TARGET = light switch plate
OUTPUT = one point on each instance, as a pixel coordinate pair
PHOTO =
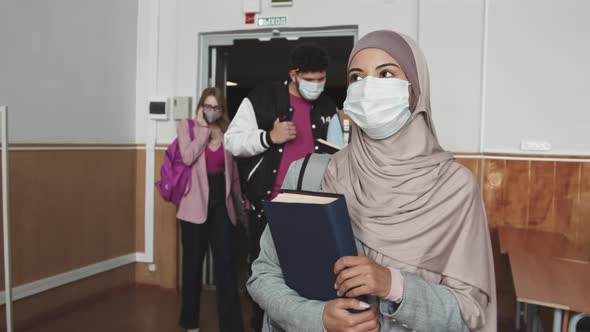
(181, 107)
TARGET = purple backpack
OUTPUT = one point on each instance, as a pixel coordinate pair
(175, 175)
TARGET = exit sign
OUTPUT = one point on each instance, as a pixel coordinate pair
(272, 21)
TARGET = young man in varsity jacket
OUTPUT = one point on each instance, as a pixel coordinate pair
(275, 125)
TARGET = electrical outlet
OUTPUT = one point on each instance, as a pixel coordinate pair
(535, 146)
(152, 267)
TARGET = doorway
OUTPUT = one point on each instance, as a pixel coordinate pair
(238, 61)
(250, 62)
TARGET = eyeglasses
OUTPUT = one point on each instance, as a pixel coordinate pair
(208, 107)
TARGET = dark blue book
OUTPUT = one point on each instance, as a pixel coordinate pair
(311, 231)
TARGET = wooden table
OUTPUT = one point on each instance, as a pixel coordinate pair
(560, 284)
(514, 241)
(545, 244)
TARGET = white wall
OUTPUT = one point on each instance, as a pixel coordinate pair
(539, 75)
(182, 20)
(451, 35)
(67, 70)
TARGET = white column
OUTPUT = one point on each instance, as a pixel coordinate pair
(5, 219)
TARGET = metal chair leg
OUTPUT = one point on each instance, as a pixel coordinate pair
(557, 317)
(574, 320)
(517, 317)
(533, 322)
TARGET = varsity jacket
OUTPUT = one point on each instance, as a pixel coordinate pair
(248, 136)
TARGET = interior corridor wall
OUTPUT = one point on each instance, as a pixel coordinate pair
(67, 70)
(538, 71)
(491, 87)
(68, 76)
(181, 21)
(451, 33)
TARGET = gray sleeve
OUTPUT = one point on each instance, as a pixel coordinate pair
(282, 304)
(314, 173)
(290, 182)
(425, 307)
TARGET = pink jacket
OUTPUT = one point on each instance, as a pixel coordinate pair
(193, 207)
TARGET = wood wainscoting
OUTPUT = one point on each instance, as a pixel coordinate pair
(71, 206)
(540, 192)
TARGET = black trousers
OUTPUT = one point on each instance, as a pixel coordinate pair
(219, 233)
(256, 225)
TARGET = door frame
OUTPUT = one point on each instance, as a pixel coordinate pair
(227, 38)
(207, 63)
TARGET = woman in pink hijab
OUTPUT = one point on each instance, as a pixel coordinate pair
(417, 214)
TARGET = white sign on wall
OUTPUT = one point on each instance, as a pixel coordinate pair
(276, 3)
(272, 21)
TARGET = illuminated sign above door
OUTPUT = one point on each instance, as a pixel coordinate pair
(272, 21)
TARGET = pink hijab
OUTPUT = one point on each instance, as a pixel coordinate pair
(408, 199)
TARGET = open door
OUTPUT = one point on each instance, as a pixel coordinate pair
(218, 67)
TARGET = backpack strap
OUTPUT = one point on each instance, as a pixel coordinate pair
(307, 177)
(191, 132)
(311, 172)
(302, 171)
(191, 128)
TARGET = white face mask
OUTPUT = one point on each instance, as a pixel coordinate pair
(311, 90)
(379, 106)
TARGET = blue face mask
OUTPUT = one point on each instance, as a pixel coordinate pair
(379, 106)
(310, 90)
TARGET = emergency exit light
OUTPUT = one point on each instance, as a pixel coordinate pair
(272, 21)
